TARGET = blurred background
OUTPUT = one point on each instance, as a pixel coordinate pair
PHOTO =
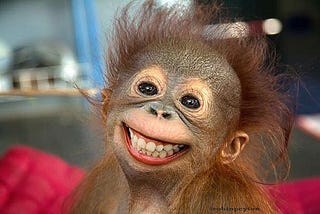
(47, 48)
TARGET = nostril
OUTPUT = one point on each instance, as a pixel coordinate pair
(153, 111)
(160, 111)
(166, 115)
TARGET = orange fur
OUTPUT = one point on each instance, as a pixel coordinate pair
(264, 115)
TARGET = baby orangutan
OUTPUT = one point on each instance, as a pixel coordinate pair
(189, 114)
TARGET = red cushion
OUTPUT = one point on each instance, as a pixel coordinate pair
(298, 196)
(34, 182)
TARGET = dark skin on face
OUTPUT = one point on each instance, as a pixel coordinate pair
(176, 97)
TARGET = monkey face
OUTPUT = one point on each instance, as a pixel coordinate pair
(168, 116)
(150, 131)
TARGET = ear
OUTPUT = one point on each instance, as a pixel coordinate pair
(233, 148)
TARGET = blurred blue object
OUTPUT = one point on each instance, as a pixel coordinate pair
(86, 36)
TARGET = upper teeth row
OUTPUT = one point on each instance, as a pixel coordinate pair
(151, 149)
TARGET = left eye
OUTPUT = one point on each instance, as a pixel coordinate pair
(190, 101)
(147, 88)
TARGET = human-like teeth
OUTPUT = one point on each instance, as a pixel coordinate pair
(134, 142)
(131, 133)
(176, 148)
(155, 154)
(135, 139)
(168, 147)
(151, 148)
(141, 143)
(159, 148)
(162, 154)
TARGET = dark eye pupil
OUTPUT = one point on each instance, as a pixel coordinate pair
(148, 89)
(190, 101)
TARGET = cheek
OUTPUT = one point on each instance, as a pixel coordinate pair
(117, 144)
(209, 143)
(113, 128)
(212, 131)
(118, 141)
(210, 140)
(218, 123)
(212, 119)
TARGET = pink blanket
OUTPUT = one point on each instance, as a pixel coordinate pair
(35, 182)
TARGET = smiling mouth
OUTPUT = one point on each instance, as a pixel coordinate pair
(151, 151)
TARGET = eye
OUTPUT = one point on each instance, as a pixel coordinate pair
(190, 101)
(147, 88)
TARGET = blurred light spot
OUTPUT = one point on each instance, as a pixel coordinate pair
(272, 26)
(69, 72)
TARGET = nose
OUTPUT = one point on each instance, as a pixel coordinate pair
(160, 110)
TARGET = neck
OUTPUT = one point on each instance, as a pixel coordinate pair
(146, 199)
(150, 192)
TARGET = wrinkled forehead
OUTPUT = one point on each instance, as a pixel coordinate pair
(185, 60)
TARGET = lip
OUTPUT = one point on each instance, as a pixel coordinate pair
(148, 159)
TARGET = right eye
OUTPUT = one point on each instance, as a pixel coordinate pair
(148, 88)
(190, 101)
